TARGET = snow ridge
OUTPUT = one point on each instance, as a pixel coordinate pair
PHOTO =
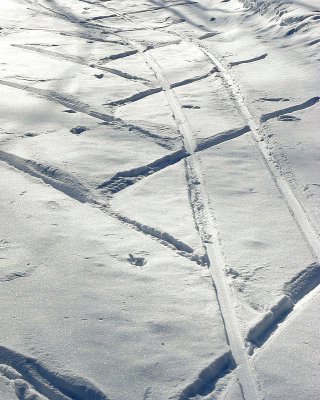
(53, 176)
(54, 385)
(123, 179)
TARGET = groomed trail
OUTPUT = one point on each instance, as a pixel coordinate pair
(163, 196)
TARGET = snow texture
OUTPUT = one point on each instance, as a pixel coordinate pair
(160, 199)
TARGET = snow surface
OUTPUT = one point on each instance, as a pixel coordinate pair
(160, 199)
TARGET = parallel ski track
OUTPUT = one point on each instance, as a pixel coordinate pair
(295, 207)
(246, 375)
(245, 371)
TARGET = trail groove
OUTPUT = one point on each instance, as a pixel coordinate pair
(245, 371)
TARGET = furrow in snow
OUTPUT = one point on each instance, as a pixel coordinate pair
(82, 61)
(148, 9)
(294, 291)
(209, 35)
(64, 100)
(245, 369)
(123, 179)
(53, 176)
(296, 209)
(206, 143)
(152, 46)
(135, 97)
(303, 283)
(250, 60)
(194, 79)
(165, 237)
(16, 275)
(119, 55)
(78, 106)
(54, 385)
(207, 378)
(149, 92)
(275, 114)
(69, 185)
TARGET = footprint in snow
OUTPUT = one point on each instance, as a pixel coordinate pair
(190, 106)
(70, 111)
(137, 261)
(78, 130)
(288, 118)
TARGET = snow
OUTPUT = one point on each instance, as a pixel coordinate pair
(299, 373)
(160, 223)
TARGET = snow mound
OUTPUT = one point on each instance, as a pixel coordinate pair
(293, 18)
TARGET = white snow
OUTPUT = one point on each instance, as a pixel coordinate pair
(160, 199)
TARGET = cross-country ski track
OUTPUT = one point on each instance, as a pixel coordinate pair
(176, 87)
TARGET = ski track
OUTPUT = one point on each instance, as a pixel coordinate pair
(298, 290)
(81, 61)
(283, 111)
(210, 238)
(123, 54)
(245, 372)
(78, 106)
(296, 293)
(296, 209)
(123, 179)
(27, 373)
(250, 60)
(70, 186)
(269, 323)
(206, 380)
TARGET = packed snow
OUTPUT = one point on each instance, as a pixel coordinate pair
(160, 199)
